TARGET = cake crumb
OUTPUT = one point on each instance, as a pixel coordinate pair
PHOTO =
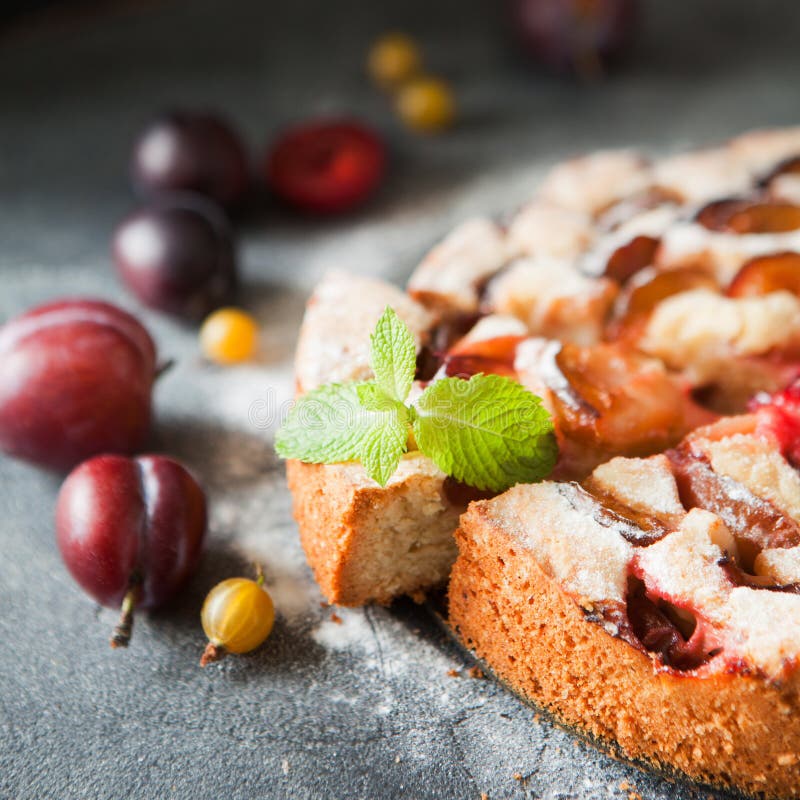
(634, 796)
(517, 776)
(787, 759)
(476, 672)
(624, 786)
(418, 597)
(285, 766)
(397, 759)
(537, 718)
(484, 796)
(336, 618)
(453, 673)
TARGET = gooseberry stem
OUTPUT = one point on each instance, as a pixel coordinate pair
(212, 653)
(122, 633)
(259, 575)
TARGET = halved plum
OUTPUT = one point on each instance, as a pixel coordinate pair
(620, 402)
(753, 521)
(679, 639)
(631, 258)
(749, 216)
(642, 296)
(766, 218)
(493, 356)
(715, 215)
(765, 274)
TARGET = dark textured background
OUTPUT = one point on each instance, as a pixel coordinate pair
(365, 709)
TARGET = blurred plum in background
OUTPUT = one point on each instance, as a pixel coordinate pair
(191, 151)
(579, 37)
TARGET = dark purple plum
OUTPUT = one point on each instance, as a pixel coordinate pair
(575, 36)
(178, 256)
(130, 531)
(191, 151)
(76, 379)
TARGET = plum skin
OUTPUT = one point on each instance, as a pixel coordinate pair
(177, 256)
(191, 151)
(126, 524)
(574, 36)
(76, 379)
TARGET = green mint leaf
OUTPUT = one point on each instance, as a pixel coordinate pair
(489, 432)
(374, 398)
(330, 425)
(381, 449)
(393, 355)
(384, 445)
(326, 426)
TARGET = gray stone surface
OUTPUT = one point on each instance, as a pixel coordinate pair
(364, 709)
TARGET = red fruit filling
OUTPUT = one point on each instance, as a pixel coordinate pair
(746, 216)
(618, 400)
(443, 337)
(752, 520)
(765, 274)
(491, 356)
(643, 294)
(462, 494)
(715, 215)
(680, 640)
(327, 167)
(631, 258)
(778, 417)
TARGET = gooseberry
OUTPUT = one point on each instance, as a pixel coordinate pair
(229, 336)
(237, 617)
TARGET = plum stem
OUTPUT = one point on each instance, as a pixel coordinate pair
(212, 653)
(122, 633)
(164, 367)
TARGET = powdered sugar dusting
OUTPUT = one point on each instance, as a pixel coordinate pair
(353, 632)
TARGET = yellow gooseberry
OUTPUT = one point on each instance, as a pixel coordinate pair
(237, 617)
(229, 336)
(427, 105)
(393, 59)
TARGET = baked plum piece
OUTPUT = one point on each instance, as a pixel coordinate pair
(607, 400)
(743, 469)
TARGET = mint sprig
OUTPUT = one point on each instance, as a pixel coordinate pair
(488, 431)
(393, 355)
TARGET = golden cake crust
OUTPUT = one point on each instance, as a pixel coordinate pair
(364, 542)
(725, 729)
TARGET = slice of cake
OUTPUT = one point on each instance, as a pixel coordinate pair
(656, 606)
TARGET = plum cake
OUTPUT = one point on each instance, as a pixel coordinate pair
(639, 298)
(647, 592)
